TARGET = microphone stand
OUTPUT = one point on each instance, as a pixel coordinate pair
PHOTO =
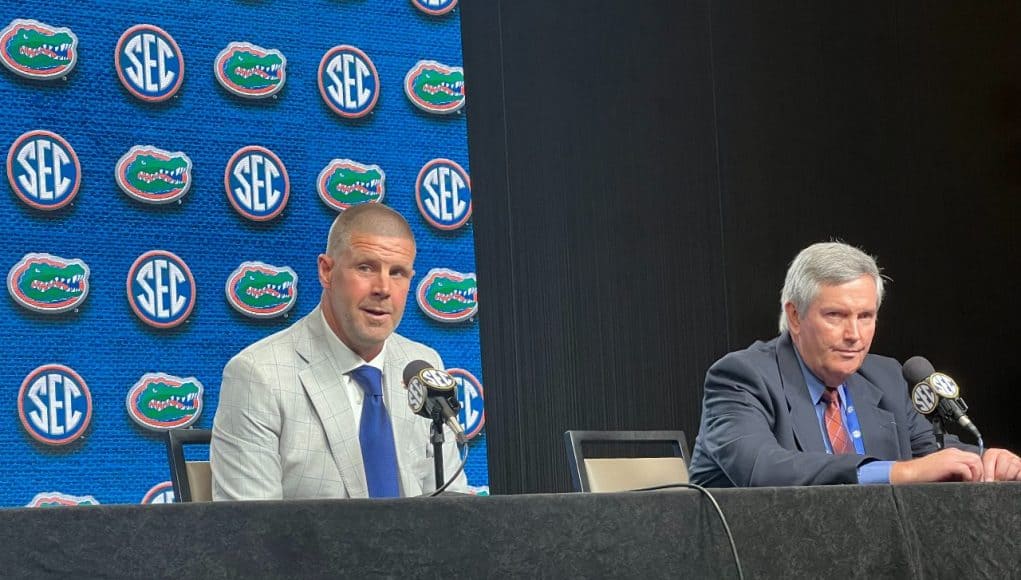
(437, 439)
(937, 429)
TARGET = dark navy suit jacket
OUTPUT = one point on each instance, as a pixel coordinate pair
(759, 426)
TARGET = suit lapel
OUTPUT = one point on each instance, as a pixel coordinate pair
(878, 428)
(406, 425)
(799, 401)
(324, 385)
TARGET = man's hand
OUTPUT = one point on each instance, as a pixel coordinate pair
(944, 465)
(1000, 465)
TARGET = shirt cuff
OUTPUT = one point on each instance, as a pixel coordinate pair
(874, 472)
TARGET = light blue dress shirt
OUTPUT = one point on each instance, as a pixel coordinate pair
(868, 473)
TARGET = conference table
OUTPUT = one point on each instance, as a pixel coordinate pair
(925, 531)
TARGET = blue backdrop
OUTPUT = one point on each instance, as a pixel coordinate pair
(102, 340)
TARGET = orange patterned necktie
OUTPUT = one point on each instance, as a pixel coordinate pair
(835, 423)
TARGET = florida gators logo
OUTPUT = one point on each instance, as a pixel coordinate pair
(262, 291)
(160, 493)
(472, 415)
(343, 183)
(160, 402)
(348, 81)
(55, 405)
(43, 170)
(443, 194)
(250, 71)
(36, 50)
(48, 284)
(152, 175)
(435, 7)
(149, 63)
(448, 296)
(48, 499)
(257, 184)
(161, 289)
(435, 87)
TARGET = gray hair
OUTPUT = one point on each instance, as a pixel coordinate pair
(371, 218)
(826, 263)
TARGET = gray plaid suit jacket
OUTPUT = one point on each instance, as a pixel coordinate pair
(285, 429)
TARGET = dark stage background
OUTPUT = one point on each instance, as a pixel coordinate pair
(645, 171)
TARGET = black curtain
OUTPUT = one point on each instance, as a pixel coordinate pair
(643, 172)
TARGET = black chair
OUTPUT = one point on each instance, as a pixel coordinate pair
(599, 475)
(193, 480)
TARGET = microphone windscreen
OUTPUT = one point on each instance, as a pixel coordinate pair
(414, 367)
(917, 369)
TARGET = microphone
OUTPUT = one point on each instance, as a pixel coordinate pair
(937, 392)
(431, 391)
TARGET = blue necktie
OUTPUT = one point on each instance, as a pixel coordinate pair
(376, 436)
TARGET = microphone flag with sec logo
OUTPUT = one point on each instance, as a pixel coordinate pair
(431, 389)
(937, 392)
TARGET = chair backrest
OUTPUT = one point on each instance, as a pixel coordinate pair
(193, 480)
(625, 473)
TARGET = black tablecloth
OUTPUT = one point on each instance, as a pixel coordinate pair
(931, 531)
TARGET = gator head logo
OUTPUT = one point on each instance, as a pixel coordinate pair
(435, 87)
(348, 81)
(43, 170)
(54, 404)
(49, 284)
(448, 296)
(161, 289)
(443, 193)
(49, 499)
(344, 183)
(160, 402)
(159, 493)
(36, 50)
(257, 183)
(262, 291)
(435, 7)
(152, 175)
(472, 415)
(149, 63)
(250, 71)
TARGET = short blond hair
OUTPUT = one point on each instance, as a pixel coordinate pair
(371, 218)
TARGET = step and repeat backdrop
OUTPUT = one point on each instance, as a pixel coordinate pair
(172, 170)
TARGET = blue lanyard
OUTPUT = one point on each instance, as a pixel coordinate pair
(851, 421)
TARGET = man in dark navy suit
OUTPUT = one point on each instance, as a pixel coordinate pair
(812, 406)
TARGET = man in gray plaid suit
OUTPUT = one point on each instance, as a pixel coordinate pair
(291, 418)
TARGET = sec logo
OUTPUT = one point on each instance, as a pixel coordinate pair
(417, 394)
(435, 7)
(443, 194)
(924, 399)
(159, 493)
(348, 81)
(54, 404)
(473, 410)
(944, 386)
(149, 63)
(161, 289)
(43, 170)
(257, 184)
